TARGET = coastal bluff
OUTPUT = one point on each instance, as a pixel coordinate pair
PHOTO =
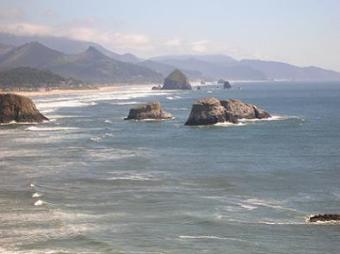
(149, 111)
(17, 108)
(208, 111)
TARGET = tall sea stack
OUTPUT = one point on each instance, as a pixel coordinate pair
(176, 81)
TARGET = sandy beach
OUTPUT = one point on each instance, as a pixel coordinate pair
(54, 92)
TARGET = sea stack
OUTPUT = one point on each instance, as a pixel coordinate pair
(17, 108)
(176, 81)
(149, 111)
(209, 111)
(226, 85)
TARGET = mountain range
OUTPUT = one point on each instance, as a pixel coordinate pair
(92, 63)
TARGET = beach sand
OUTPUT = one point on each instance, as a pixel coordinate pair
(52, 92)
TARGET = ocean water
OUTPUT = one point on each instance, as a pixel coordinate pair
(90, 182)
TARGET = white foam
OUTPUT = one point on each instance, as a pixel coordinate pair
(39, 202)
(248, 207)
(228, 124)
(36, 195)
(35, 128)
(125, 103)
(272, 118)
(208, 237)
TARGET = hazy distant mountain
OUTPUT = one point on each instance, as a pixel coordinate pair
(166, 69)
(278, 70)
(94, 66)
(31, 54)
(64, 45)
(4, 48)
(33, 78)
(89, 66)
(212, 66)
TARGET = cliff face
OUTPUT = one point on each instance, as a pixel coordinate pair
(19, 109)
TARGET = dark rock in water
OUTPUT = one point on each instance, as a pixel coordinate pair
(206, 111)
(156, 88)
(323, 218)
(243, 110)
(176, 81)
(152, 111)
(211, 111)
(220, 81)
(19, 109)
(226, 85)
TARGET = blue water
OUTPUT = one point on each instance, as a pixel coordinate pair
(105, 185)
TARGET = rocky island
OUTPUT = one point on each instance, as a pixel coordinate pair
(176, 81)
(323, 218)
(149, 111)
(16, 108)
(209, 111)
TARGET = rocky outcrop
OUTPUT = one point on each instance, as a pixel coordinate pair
(226, 85)
(323, 218)
(152, 111)
(176, 81)
(243, 110)
(211, 111)
(156, 88)
(18, 109)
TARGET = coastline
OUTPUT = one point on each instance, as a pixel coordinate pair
(99, 88)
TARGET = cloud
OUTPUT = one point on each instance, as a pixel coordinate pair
(122, 42)
(25, 29)
(11, 14)
(200, 46)
(173, 42)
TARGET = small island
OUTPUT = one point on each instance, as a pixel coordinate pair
(149, 111)
(176, 81)
(208, 111)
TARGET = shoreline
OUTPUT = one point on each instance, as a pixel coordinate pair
(104, 88)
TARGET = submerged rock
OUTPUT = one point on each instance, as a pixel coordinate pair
(323, 218)
(18, 108)
(211, 111)
(151, 110)
(176, 81)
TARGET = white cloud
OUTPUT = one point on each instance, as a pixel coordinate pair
(200, 46)
(173, 42)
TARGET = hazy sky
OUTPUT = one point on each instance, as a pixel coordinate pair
(302, 32)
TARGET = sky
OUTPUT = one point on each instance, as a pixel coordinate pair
(301, 32)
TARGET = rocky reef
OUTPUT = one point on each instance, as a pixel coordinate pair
(323, 218)
(152, 111)
(176, 81)
(210, 110)
(16, 108)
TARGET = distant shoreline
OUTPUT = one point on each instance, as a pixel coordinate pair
(67, 91)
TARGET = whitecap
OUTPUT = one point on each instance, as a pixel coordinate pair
(36, 195)
(39, 202)
(209, 237)
(35, 128)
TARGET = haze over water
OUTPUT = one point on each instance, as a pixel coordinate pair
(90, 182)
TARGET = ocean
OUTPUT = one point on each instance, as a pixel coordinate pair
(90, 182)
